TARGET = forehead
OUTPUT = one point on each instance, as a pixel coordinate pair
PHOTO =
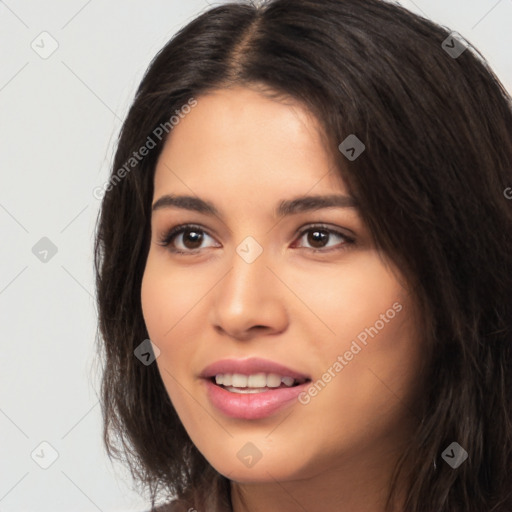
(239, 138)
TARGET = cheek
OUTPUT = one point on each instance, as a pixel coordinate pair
(167, 296)
(161, 310)
(380, 376)
(349, 299)
(154, 301)
(373, 330)
(168, 300)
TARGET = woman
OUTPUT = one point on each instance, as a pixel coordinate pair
(307, 218)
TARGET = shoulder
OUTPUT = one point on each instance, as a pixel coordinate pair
(174, 506)
(213, 504)
(212, 496)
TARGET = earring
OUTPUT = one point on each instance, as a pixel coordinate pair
(435, 465)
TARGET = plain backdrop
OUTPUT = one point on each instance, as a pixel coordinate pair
(59, 117)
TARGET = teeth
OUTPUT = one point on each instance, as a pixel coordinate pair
(257, 381)
(239, 381)
(273, 380)
(245, 391)
(288, 381)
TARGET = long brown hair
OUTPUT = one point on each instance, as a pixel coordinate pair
(437, 130)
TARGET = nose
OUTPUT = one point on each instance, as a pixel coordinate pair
(249, 300)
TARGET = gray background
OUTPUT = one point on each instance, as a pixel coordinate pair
(59, 118)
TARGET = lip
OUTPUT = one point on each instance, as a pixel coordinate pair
(254, 405)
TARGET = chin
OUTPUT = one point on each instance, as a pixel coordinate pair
(268, 469)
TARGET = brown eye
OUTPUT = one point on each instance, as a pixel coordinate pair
(184, 239)
(318, 238)
(192, 238)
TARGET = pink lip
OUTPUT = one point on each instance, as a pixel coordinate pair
(254, 405)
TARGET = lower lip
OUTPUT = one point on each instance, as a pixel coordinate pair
(252, 406)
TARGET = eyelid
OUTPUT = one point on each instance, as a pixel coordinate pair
(168, 235)
(344, 232)
(350, 239)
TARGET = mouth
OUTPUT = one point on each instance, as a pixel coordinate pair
(252, 388)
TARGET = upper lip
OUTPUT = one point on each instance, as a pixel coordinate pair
(251, 366)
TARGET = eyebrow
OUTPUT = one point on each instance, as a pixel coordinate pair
(284, 208)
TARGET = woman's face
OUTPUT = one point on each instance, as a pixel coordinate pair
(277, 292)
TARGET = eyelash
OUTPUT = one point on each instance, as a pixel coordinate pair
(169, 235)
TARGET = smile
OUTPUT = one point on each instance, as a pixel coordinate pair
(255, 383)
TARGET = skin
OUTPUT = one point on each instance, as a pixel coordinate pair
(245, 153)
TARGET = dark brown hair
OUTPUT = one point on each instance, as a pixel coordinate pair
(438, 135)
